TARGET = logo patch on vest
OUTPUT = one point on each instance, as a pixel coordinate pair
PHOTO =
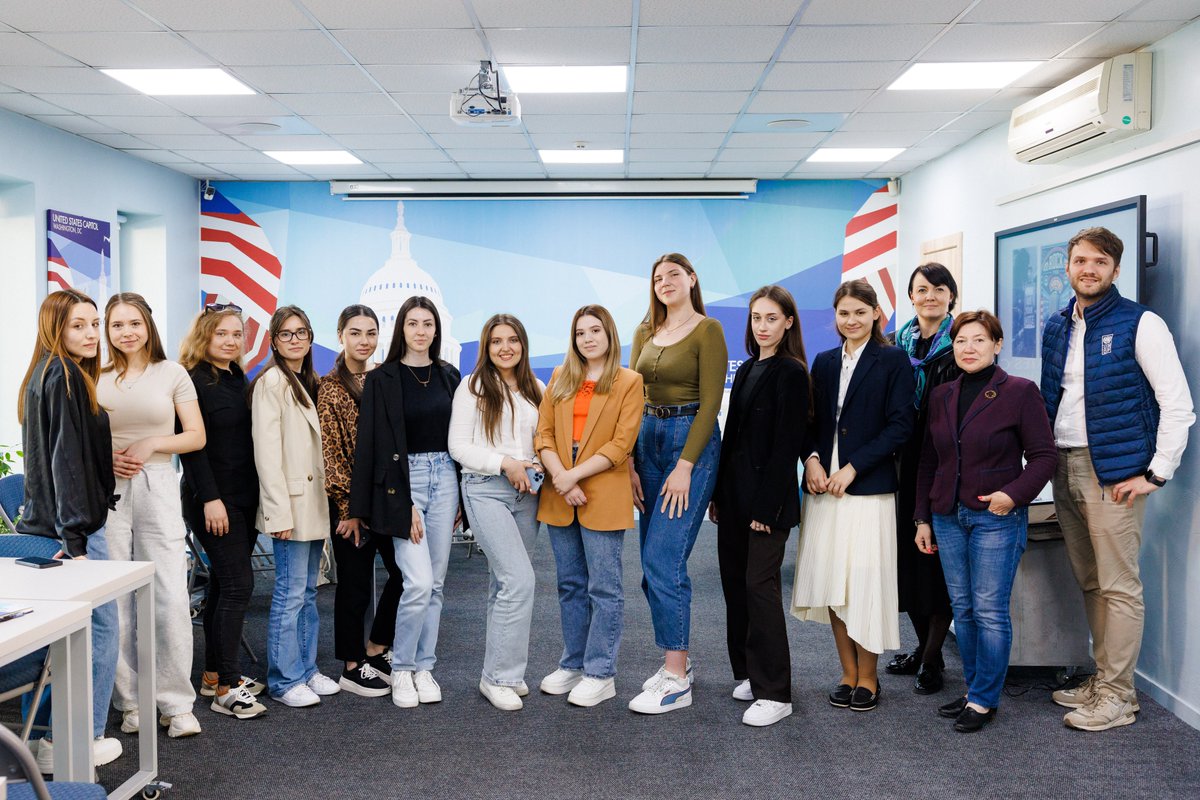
(1106, 344)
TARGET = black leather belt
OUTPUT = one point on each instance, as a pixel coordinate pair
(662, 412)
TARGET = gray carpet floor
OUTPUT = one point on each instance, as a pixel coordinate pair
(463, 748)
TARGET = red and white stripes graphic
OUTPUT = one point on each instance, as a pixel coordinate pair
(238, 265)
(870, 250)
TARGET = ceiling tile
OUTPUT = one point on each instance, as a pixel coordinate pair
(430, 171)
(914, 121)
(689, 12)
(917, 101)
(17, 49)
(267, 48)
(482, 138)
(287, 142)
(362, 123)
(159, 156)
(437, 123)
(328, 78)
(484, 169)
(140, 125)
(186, 141)
(479, 155)
(423, 102)
(344, 173)
(566, 141)
(605, 103)
(123, 104)
(948, 138)
(229, 106)
(874, 139)
(74, 123)
(201, 171)
(1008, 99)
(260, 171)
(688, 102)
(1179, 10)
(125, 49)
(226, 15)
(384, 141)
(684, 123)
(1009, 42)
(732, 44)
(573, 123)
(792, 140)
(1042, 11)
(752, 169)
(381, 14)
(829, 172)
(210, 156)
(437, 46)
(399, 155)
(676, 154)
(795, 76)
(764, 154)
(807, 102)
(334, 103)
(978, 121)
(1052, 73)
(883, 42)
(668, 168)
(119, 140)
(65, 15)
(1122, 37)
(442, 78)
(688, 77)
(49, 80)
(594, 46)
(924, 152)
(650, 140)
(553, 13)
(585, 171)
(860, 12)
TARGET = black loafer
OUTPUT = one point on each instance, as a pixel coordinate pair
(864, 700)
(971, 720)
(929, 679)
(841, 695)
(952, 709)
(903, 664)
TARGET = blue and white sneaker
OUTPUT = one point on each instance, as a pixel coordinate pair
(667, 693)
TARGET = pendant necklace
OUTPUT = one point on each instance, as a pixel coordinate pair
(428, 376)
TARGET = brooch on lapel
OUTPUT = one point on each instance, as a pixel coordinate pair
(990, 394)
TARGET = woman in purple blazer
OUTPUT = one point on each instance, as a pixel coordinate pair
(971, 485)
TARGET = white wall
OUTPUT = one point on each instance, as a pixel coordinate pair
(959, 192)
(42, 167)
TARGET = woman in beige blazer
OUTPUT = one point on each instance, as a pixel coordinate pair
(293, 508)
(588, 419)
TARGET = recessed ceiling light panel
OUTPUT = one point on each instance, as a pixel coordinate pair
(582, 156)
(565, 80)
(312, 157)
(963, 75)
(855, 155)
(166, 82)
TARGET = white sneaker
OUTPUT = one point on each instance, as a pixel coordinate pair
(667, 693)
(561, 681)
(180, 725)
(502, 697)
(129, 721)
(592, 691)
(252, 686)
(404, 694)
(428, 690)
(237, 702)
(299, 696)
(522, 689)
(743, 691)
(323, 685)
(766, 712)
(663, 671)
(105, 750)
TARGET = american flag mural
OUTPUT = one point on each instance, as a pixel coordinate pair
(870, 250)
(238, 265)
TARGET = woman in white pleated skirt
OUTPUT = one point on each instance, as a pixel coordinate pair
(846, 566)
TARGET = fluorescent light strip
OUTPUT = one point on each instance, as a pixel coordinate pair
(565, 80)
(963, 75)
(312, 157)
(582, 156)
(854, 155)
(166, 82)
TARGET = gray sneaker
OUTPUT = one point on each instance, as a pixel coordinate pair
(1109, 711)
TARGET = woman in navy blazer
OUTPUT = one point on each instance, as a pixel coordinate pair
(973, 489)
(846, 567)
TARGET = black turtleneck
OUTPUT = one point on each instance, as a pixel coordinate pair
(972, 385)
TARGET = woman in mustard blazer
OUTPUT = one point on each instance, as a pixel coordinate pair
(588, 419)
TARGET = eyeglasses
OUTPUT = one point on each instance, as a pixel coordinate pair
(300, 334)
(216, 308)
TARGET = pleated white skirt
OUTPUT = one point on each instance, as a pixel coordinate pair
(847, 562)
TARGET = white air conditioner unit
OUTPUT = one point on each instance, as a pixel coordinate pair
(1109, 102)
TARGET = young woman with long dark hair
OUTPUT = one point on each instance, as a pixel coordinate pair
(405, 487)
(220, 502)
(292, 506)
(144, 395)
(757, 500)
(492, 424)
(846, 565)
(69, 482)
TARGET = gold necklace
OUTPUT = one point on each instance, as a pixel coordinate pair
(428, 376)
(680, 325)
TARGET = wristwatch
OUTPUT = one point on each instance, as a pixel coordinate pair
(920, 522)
(1157, 481)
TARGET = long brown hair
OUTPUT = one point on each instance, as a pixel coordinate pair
(574, 368)
(118, 361)
(341, 372)
(792, 344)
(193, 350)
(657, 313)
(491, 393)
(399, 346)
(53, 317)
(861, 291)
(307, 382)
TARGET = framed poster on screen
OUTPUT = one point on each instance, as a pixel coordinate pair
(1031, 277)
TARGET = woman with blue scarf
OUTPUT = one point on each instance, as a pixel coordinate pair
(921, 585)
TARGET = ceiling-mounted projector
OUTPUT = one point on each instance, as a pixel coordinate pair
(481, 103)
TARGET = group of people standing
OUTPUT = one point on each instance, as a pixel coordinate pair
(919, 457)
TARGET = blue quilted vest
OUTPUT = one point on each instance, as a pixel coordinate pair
(1122, 413)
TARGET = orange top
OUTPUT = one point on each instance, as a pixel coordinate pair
(583, 402)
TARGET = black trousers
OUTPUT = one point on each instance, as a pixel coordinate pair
(352, 597)
(230, 586)
(755, 626)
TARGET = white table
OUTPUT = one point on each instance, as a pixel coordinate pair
(96, 583)
(65, 627)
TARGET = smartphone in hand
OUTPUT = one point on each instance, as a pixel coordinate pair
(536, 478)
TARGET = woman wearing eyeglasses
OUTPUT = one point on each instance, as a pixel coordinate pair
(220, 502)
(293, 507)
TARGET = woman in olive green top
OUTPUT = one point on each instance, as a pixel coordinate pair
(682, 358)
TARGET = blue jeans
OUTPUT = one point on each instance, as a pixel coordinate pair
(980, 552)
(590, 599)
(293, 623)
(433, 484)
(505, 524)
(667, 543)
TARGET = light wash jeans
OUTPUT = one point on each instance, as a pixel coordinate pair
(591, 601)
(505, 524)
(293, 623)
(433, 483)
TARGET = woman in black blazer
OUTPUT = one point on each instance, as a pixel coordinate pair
(757, 500)
(846, 566)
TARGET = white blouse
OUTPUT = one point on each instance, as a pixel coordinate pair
(467, 439)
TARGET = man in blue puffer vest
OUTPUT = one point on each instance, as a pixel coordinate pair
(1121, 408)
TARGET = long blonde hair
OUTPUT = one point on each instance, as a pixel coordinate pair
(491, 395)
(117, 360)
(193, 350)
(571, 374)
(53, 317)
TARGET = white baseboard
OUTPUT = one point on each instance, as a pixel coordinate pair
(1169, 700)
